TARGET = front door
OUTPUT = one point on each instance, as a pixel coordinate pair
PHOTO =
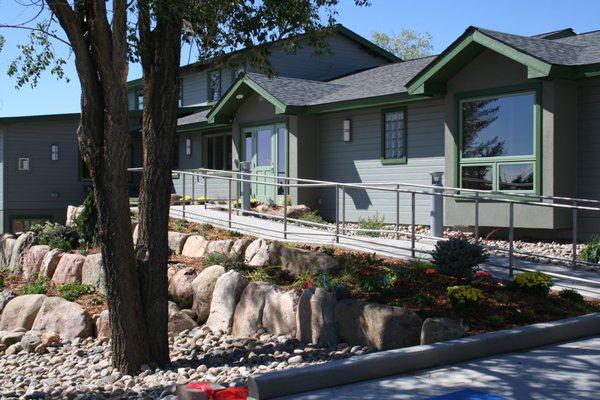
(265, 147)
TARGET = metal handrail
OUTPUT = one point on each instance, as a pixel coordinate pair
(340, 228)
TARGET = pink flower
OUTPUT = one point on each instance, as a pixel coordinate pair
(430, 271)
(482, 275)
(308, 284)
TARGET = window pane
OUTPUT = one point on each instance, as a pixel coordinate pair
(516, 176)
(263, 148)
(214, 82)
(394, 134)
(219, 152)
(210, 153)
(281, 151)
(248, 146)
(500, 126)
(228, 152)
(477, 177)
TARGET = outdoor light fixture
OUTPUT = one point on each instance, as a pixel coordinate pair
(239, 96)
(188, 147)
(347, 130)
(54, 152)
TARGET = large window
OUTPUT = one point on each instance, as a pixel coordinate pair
(498, 142)
(214, 85)
(394, 136)
(218, 152)
(139, 99)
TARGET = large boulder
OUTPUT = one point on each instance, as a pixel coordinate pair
(136, 234)
(50, 262)
(92, 273)
(69, 269)
(297, 210)
(376, 325)
(228, 289)
(203, 286)
(441, 329)
(249, 310)
(5, 297)
(21, 312)
(177, 241)
(179, 322)
(300, 261)
(219, 246)
(72, 213)
(195, 246)
(103, 328)
(239, 247)
(32, 261)
(315, 317)
(260, 253)
(67, 319)
(23, 242)
(180, 286)
(7, 242)
(279, 314)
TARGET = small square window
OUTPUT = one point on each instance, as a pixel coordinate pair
(54, 152)
(23, 164)
(188, 147)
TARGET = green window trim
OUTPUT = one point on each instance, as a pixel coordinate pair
(404, 158)
(496, 162)
(209, 90)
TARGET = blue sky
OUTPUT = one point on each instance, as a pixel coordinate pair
(444, 19)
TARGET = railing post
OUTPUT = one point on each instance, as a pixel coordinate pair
(205, 190)
(229, 204)
(511, 236)
(183, 196)
(476, 215)
(397, 212)
(337, 213)
(574, 251)
(343, 210)
(412, 224)
(193, 188)
(285, 208)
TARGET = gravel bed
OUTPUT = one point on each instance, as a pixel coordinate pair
(82, 369)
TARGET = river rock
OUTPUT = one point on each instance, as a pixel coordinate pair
(72, 213)
(68, 270)
(315, 317)
(441, 329)
(239, 247)
(32, 261)
(219, 246)
(260, 253)
(248, 314)
(279, 314)
(228, 289)
(179, 322)
(376, 325)
(69, 320)
(203, 286)
(195, 246)
(297, 210)
(50, 262)
(21, 312)
(5, 297)
(177, 241)
(7, 243)
(92, 273)
(299, 261)
(180, 286)
(103, 328)
(23, 242)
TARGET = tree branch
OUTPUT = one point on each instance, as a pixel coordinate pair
(29, 28)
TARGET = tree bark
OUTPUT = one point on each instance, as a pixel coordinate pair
(160, 57)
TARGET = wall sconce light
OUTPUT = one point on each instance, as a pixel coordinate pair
(54, 152)
(188, 147)
(347, 130)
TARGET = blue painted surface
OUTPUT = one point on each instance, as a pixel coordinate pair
(467, 394)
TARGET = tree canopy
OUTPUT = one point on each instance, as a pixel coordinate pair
(408, 44)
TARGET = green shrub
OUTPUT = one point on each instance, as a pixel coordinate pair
(253, 203)
(524, 317)
(329, 250)
(374, 223)
(203, 200)
(86, 223)
(572, 295)
(495, 320)
(553, 310)
(39, 285)
(458, 257)
(500, 297)
(304, 280)
(464, 295)
(181, 224)
(56, 236)
(73, 291)
(421, 299)
(312, 216)
(591, 251)
(533, 282)
(226, 261)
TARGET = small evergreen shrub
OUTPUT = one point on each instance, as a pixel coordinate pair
(591, 251)
(329, 250)
(253, 203)
(73, 291)
(495, 320)
(86, 223)
(40, 285)
(226, 261)
(373, 223)
(56, 236)
(532, 282)
(421, 299)
(500, 297)
(464, 295)
(458, 257)
(203, 200)
(572, 295)
(312, 216)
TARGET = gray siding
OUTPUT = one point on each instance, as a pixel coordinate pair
(588, 149)
(49, 186)
(359, 161)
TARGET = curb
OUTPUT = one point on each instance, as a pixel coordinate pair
(408, 359)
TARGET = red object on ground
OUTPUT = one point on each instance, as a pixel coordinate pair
(236, 393)
(207, 391)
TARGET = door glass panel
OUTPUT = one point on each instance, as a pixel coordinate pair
(281, 151)
(516, 176)
(477, 177)
(263, 148)
(210, 153)
(248, 146)
(228, 152)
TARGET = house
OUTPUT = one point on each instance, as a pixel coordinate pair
(493, 111)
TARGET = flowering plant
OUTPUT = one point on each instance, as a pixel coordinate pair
(464, 295)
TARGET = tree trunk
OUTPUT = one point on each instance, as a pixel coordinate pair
(160, 62)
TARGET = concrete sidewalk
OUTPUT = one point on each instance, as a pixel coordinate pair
(564, 371)
(272, 229)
